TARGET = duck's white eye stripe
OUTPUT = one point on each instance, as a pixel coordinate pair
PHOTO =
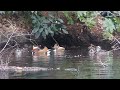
(35, 47)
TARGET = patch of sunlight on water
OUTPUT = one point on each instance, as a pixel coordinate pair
(72, 64)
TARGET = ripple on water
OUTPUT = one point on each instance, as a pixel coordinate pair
(72, 64)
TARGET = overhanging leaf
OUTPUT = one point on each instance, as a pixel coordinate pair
(60, 20)
(44, 35)
(51, 32)
(65, 31)
(35, 30)
(46, 31)
(37, 35)
(107, 35)
(108, 25)
(41, 30)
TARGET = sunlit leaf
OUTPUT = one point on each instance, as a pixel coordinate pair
(81, 13)
(34, 21)
(65, 31)
(37, 35)
(108, 25)
(60, 20)
(2, 12)
(46, 32)
(107, 35)
(47, 25)
(33, 17)
(35, 29)
(44, 35)
(41, 30)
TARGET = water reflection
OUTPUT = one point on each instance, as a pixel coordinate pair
(102, 65)
(4, 75)
(70, 64)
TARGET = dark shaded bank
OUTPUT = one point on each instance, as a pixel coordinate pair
(79, 36)
(74, 39)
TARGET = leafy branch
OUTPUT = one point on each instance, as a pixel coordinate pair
(43, 26)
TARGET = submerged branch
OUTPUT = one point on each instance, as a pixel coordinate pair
(33, 69)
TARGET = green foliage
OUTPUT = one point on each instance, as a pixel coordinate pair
(2, 12)
(69, 18)
(87, 17)
(108, 25)
(43, 26)
(83, 16)
(117, 23)
(8, 12)
(109, 28)
(113, 22)
(107, 35)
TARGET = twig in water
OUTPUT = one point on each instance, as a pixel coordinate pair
(14, 29)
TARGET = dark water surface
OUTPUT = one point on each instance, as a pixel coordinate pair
(72, 64)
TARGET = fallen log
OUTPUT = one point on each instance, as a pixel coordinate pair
(31, 69)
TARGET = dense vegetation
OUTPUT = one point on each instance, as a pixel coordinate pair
(104, 24)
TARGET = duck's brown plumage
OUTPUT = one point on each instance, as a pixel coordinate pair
(57, 47)
(38, 51)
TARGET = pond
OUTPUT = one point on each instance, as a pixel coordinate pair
(70, 64)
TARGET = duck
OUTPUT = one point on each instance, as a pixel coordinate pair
(58, 48)
(18, 52)
(96, 50)
(92, 49)
(99, 51)
(37, 51)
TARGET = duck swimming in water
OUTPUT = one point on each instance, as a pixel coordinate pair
(99, 51)
(18, 52)
(96, 50)
(59, 51)
(58, 48)
(37, 51)
(92, 49)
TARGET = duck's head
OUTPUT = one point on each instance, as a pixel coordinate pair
(45, 48)
(19, 51)
(56, 46)
(91, 47)
(98, 48)
(35, 47)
